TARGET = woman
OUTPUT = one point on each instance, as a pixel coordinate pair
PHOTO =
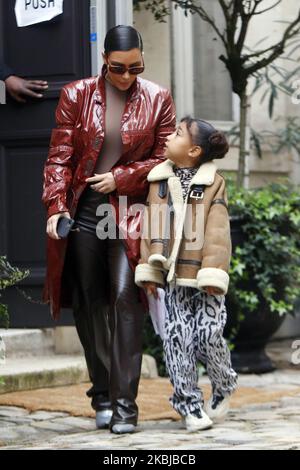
(111, 131)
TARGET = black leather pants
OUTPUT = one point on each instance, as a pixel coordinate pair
(108, 313)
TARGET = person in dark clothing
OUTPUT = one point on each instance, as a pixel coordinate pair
(18, 87)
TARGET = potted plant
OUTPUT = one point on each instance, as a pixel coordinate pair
(265, 269)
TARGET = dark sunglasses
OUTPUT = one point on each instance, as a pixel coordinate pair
(121, 69)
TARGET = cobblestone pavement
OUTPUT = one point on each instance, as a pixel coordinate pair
(272, 425)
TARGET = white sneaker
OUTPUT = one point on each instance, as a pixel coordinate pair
(217, 407)
(194, 424)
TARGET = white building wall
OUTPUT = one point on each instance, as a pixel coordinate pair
(157, 47)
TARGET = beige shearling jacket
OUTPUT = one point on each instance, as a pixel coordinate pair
(186, 243)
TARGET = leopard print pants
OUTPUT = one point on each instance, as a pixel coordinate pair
(194, 333)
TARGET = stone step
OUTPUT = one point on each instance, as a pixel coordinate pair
(20, 343)
(51, 357)
(29, 373)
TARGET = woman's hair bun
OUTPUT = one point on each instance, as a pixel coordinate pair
(218, 144)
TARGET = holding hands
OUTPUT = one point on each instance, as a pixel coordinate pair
(212, 290)
(151, 288)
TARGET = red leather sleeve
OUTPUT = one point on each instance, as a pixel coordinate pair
(58, 167)
(131, 179)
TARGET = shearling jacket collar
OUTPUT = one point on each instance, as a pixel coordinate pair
(205, 174)
(172, 253)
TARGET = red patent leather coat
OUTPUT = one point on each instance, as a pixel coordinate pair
(149, 117)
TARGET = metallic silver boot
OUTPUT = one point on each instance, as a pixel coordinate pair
(103, 418)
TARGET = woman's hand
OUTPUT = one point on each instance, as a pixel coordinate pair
(103, 183)
(151, 288)
(52, 224)
(212, 290)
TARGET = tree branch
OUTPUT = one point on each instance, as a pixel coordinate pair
(256, 3)
(231, 25)
(186, 5)
(245, 18)
(267, 9)
(277, 48)
(225, 9)
(258, 53)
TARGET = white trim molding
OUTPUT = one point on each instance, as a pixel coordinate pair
(124, 12)
(235, 107)
(182, 56)
(98, 28)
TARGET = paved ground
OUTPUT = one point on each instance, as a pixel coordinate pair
(271, 425)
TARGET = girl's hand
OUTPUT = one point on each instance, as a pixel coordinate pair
(52, 224)
(104, 183)
(151, 288)
(212, 290)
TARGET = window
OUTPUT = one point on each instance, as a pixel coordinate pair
(213, 97)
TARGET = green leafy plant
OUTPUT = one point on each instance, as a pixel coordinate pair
(286, 137)
(158, 8)
(9, 276)
(267, 265)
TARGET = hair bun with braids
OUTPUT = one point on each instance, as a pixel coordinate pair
(218, 144)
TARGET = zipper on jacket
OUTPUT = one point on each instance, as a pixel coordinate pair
(166, 245)
(181, 235)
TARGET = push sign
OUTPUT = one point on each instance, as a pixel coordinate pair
(36, 11)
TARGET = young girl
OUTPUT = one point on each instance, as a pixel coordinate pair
(188, 195)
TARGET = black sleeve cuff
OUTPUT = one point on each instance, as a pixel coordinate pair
(5, 71)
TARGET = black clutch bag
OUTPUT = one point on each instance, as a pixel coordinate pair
(64, 227)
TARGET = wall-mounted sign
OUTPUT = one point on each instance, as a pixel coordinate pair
(37, 11)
